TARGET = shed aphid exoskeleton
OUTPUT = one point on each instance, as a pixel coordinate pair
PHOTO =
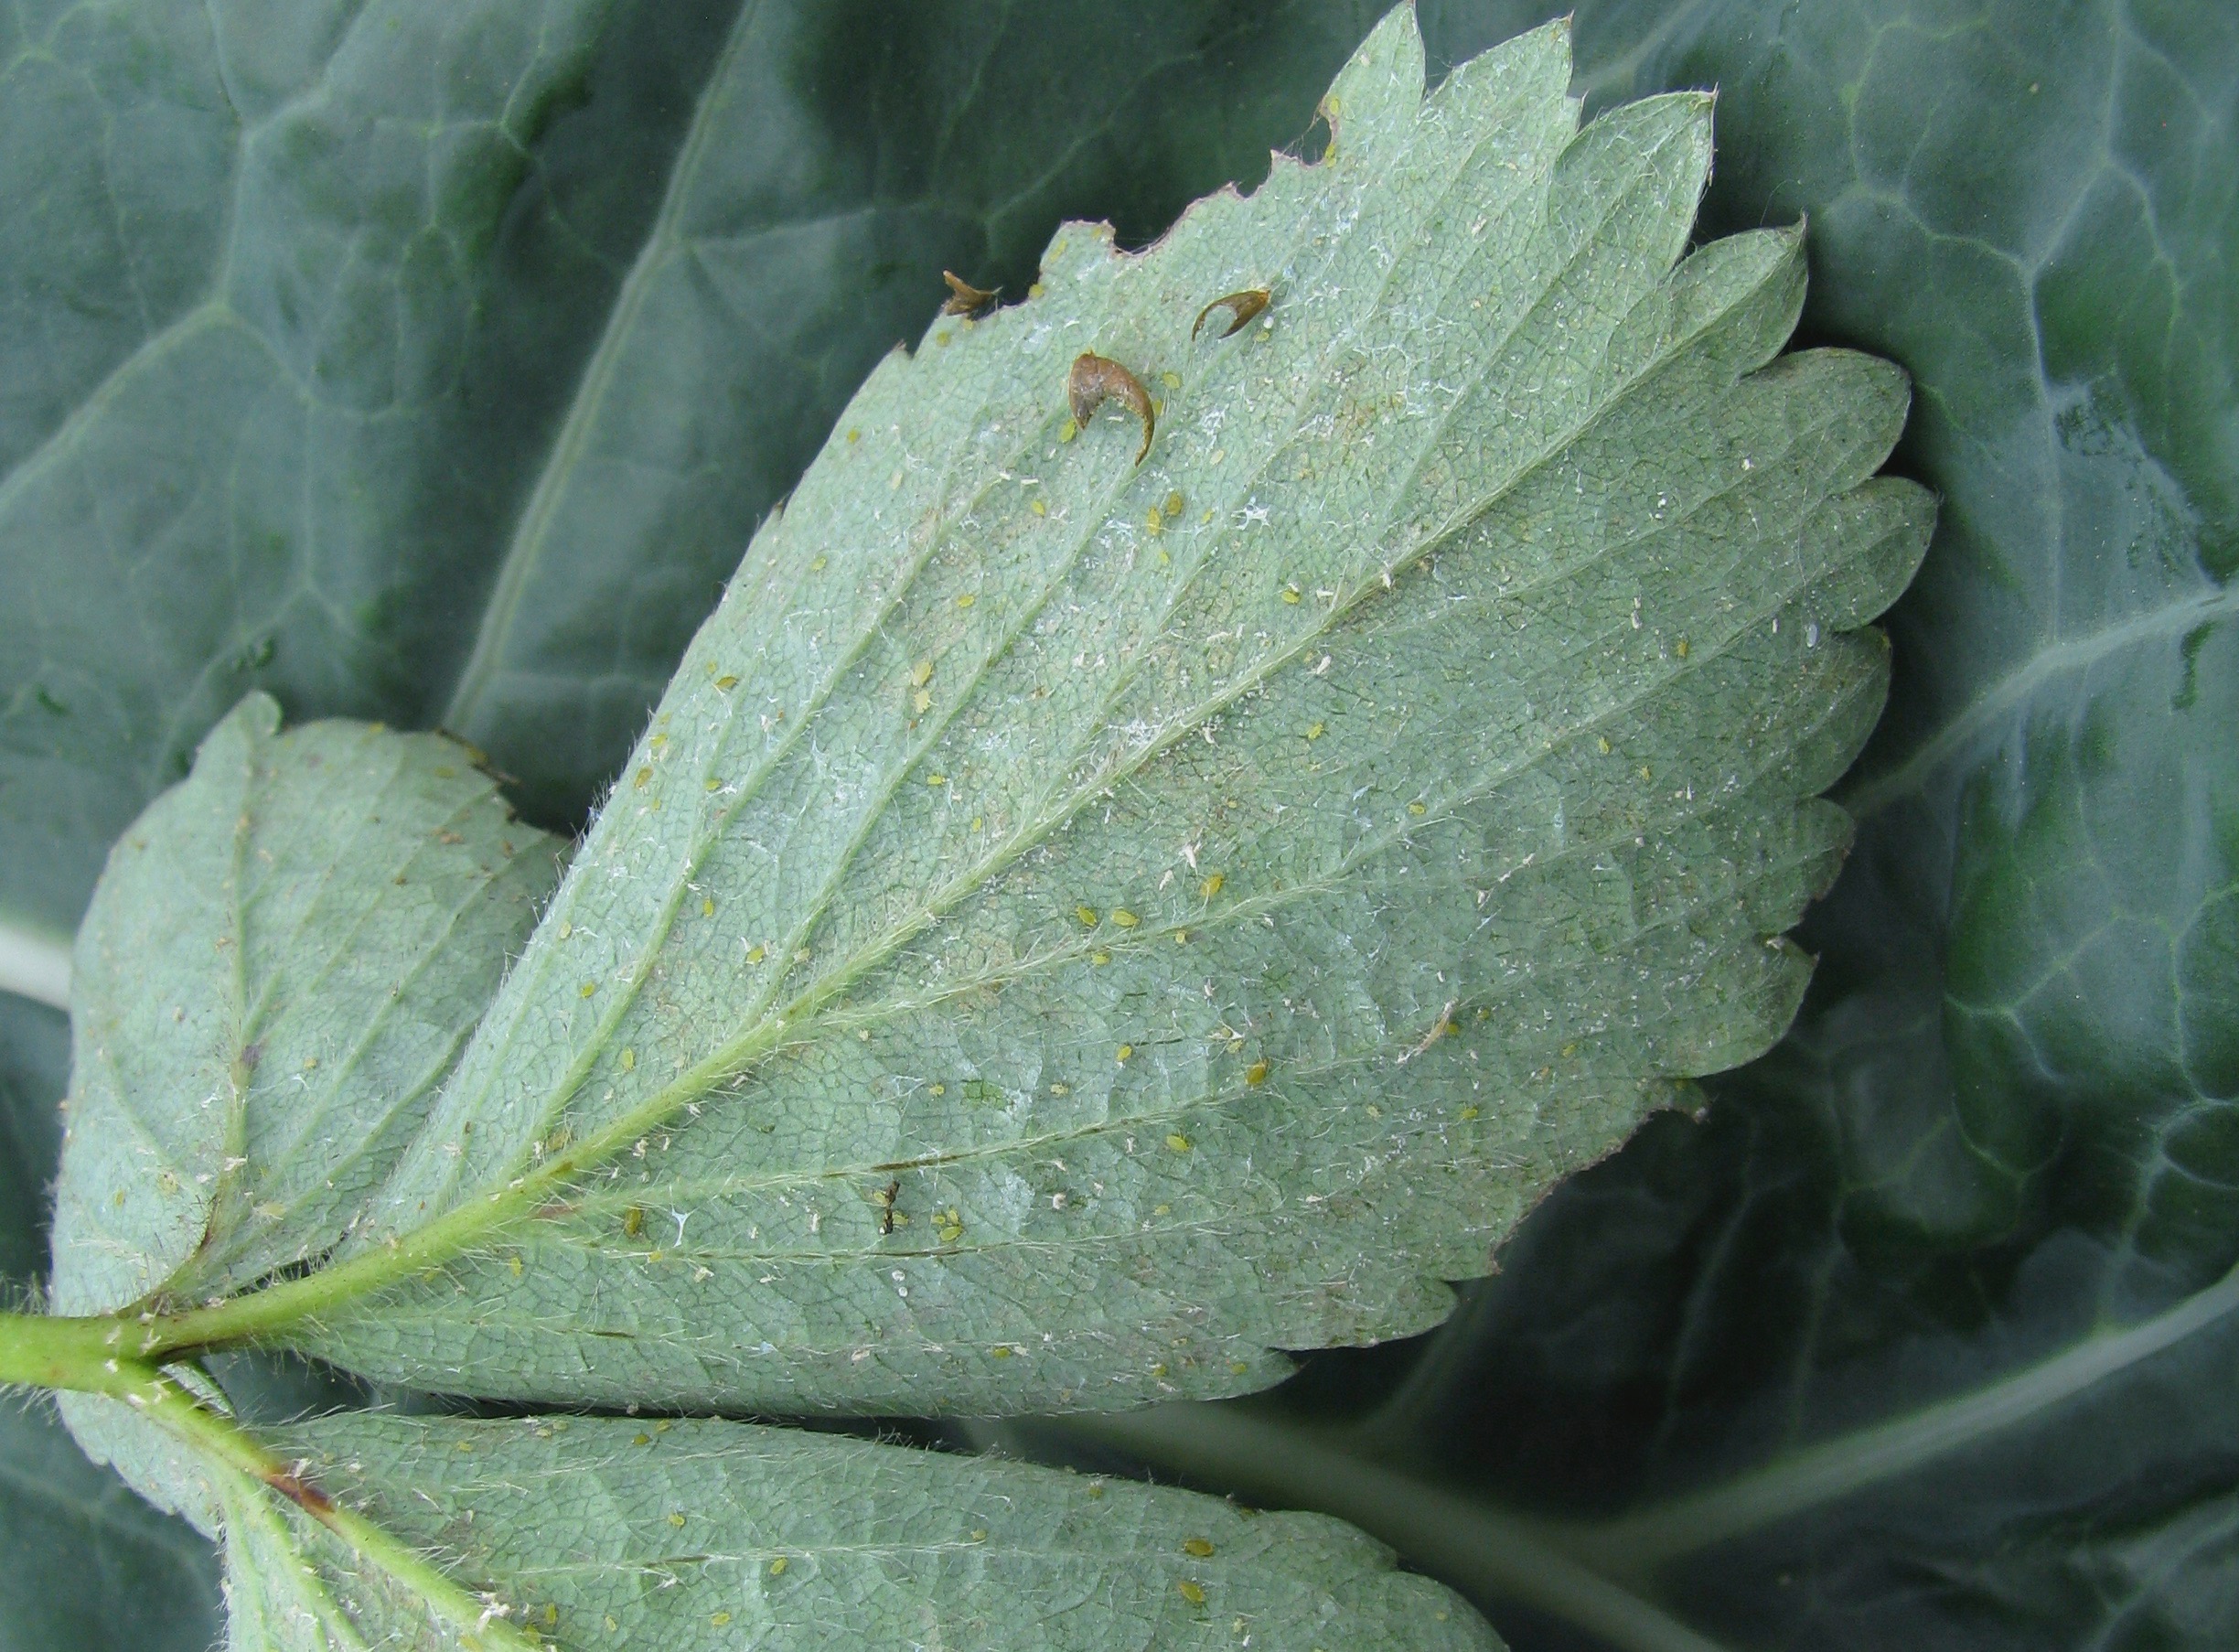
(1096, 380)
(1241, 307)
(965, 299)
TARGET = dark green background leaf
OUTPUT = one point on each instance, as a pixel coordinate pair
(2006, 1124)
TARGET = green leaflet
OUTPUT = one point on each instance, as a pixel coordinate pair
(1073, 928)
(612, 1531)
(280, 967)
(1084, 886)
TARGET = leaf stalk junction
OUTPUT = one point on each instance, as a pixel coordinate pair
(82, 1355)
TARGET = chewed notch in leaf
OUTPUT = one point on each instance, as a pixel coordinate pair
(1074, 931)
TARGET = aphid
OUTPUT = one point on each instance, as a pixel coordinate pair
(633, 1221)
(885, 1200)
(1241, 307)
(1096, 380)
(964, 299)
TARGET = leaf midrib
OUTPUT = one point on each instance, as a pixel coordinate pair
(756, 1015)
(607, 1200)
(729, 1060)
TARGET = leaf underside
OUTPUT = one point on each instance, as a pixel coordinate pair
(1090, 885)
(617, 1533)
(1073, 928)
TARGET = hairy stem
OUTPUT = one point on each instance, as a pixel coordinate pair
(92, 1356)
(81, 1354)
(221, 1440)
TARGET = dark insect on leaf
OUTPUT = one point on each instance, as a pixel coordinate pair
(1096, 380)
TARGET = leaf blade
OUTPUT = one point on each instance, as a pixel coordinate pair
(701, 1534)
(279, 970)
(726, 923)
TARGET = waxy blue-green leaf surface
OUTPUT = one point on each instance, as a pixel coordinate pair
(246, 304)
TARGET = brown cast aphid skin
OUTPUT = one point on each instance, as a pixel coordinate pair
(1241, 307)
(964, 299)
(1096, 380)
(886, 1198)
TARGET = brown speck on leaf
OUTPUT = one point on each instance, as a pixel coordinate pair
(1096, 380)
(1241, 307)
(965, 299)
